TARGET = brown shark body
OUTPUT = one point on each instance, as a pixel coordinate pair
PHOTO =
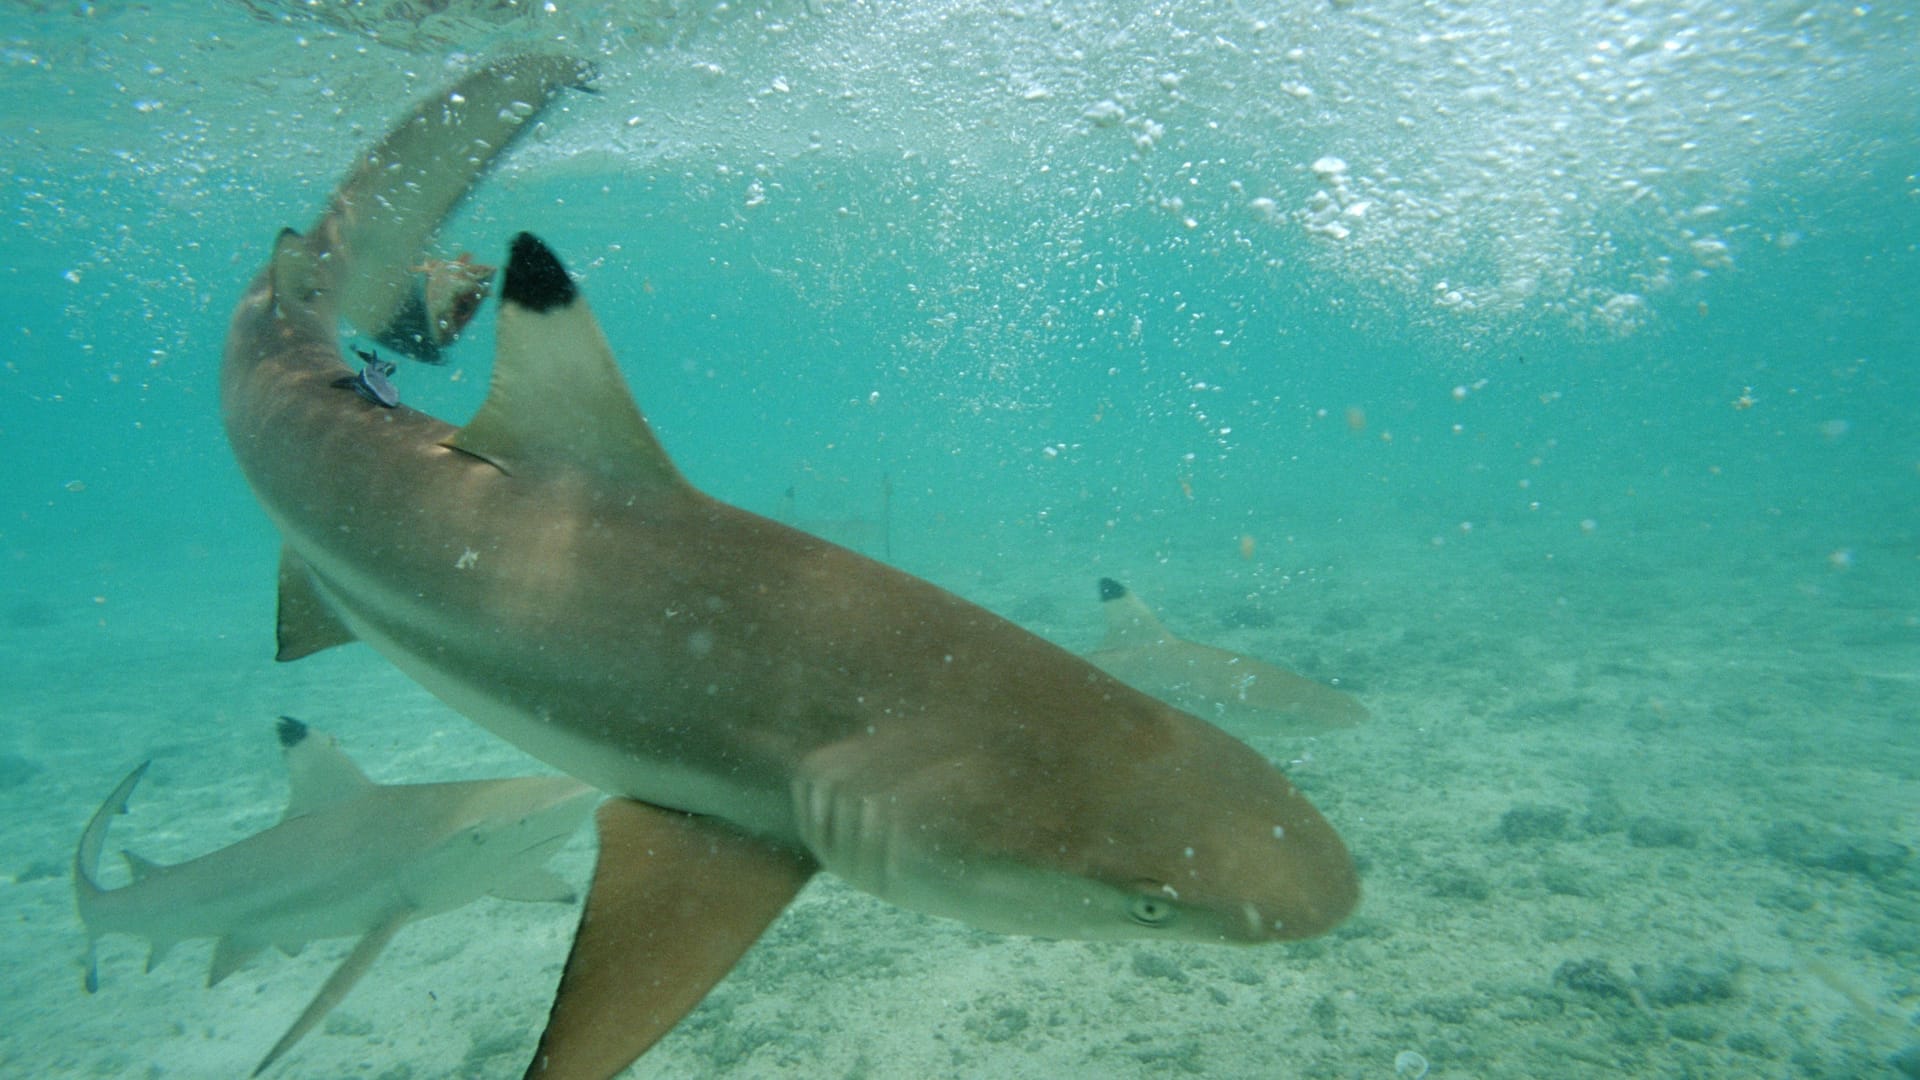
(766, 703)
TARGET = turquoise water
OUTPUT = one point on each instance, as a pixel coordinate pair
(1548, 380)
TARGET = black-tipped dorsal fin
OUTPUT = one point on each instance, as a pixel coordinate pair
(1130, 623)
(319, 773)
(557, 397)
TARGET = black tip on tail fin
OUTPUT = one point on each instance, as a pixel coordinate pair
(1111, 590)
(535, 278)
(292, 732)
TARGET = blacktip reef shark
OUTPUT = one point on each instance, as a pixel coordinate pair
(1218, 683)
(350, 858)
(762, 703)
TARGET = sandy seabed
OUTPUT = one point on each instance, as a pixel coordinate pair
(1615, 816)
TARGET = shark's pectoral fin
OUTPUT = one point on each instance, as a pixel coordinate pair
(557, 397)
(306, 623)
(535, 886)
(676, 901)
(337, 984)
(229, 956)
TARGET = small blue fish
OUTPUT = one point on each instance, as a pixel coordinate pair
(375, 381)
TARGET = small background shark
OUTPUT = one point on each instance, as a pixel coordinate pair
(350, 858)
(1229, 687)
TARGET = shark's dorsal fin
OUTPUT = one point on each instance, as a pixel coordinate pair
(1130, 623)
(319, 773)
(305, 624)
(557, 397)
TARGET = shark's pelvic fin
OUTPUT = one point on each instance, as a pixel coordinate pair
(557, 396)
(305, 624)
(319, 773)
(676, 901)
(355, 965)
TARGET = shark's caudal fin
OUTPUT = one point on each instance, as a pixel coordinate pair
(86, 861)
(557, 396)
(373, 234)
(676, 901)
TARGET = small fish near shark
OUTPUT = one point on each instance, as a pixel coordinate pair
(350, 858)
(1229, 687)
(761, 704)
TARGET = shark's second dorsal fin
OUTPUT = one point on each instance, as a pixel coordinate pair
(318, 773)
(1130, 624)
(139, 866)
(557, 397)
(295, 271)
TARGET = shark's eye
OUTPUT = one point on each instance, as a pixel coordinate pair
(1149, 910)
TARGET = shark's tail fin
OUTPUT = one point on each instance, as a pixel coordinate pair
(373, 236)
(86, 862)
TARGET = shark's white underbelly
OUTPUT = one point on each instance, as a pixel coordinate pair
(602, 763)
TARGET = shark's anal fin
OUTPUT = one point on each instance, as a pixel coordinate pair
(355, 965)
(676, 901)
(305, 623)
(229, 956)
(557, 396)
